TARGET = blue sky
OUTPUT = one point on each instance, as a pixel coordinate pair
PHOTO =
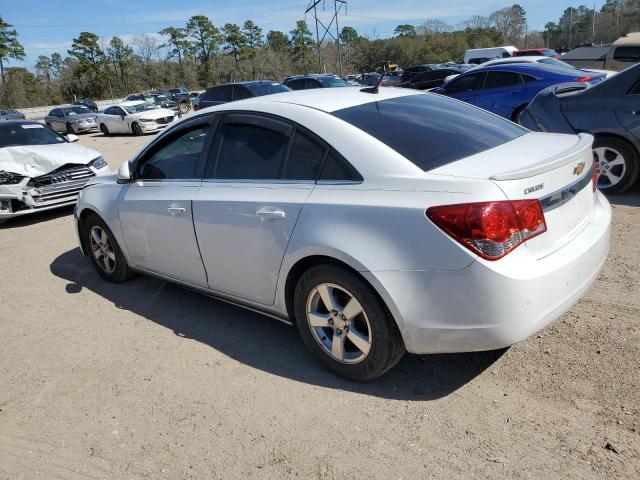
(47, 26)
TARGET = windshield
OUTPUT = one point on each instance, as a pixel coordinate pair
(141, 107)
(430, 130)
(332, 82)
(78, 110)
(28, 134)
(260, 89)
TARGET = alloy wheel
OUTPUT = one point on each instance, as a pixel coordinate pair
(611, 166)
(102, 249)
(339, 323)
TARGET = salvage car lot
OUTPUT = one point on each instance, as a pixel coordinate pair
(148, 380)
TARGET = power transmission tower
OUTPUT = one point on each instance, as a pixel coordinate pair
(326, 30)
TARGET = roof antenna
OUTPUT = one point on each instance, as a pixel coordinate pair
(374, 88)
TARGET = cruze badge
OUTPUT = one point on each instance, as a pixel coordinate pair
(535, 188)
(578, 169)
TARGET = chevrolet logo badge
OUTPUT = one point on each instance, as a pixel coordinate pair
(578, 169)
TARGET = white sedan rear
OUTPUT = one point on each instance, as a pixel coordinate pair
(376, 222)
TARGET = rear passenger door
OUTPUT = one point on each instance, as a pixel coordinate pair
(465, 87)
(263, 170)
(502, 93)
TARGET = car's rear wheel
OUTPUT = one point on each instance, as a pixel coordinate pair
(345, 325)
(183, 108)
(105, 130)
(617, 164)
(104, 251)
(137, 130)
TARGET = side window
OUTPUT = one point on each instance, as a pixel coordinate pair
(311, 83)
(528, 78)
(53, 113)
(209, 95)
(250, 152)
(305, 158)
(627, 54)
(502, 80)
(223, 94)
(467, 83)
(240, 93)
(296, 84)
(336, 168)
(178, 159)
(109, 111)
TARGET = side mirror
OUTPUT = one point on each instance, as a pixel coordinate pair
(124, 173)
(72, 137)
(122, 115)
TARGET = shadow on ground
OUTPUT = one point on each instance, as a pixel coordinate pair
(261, 342)
(630, 198)
(37, 217)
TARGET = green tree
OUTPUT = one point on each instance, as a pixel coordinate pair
(9, 45)
(348, 36)
(302, 46)
(90, 78)
(177, 44)
(204, 39)
(121, 57)
(235, 42)
(277, 41)
(255, 41)
(405, 30)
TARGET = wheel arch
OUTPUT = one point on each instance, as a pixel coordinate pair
(608, 133)
(303, 264)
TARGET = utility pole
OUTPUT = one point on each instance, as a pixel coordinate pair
(326, 30)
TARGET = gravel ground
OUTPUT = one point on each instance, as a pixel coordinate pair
(148, 380)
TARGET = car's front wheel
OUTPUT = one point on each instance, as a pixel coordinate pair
(104, 251)
(617, 163)
(70, 128)
(105, 130)
(345, 325)
(137, 130)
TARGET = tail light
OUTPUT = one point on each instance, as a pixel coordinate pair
(594, 174)
(196, 107)
(584, 79)
(490, 229)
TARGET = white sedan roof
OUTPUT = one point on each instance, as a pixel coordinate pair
(130, 103)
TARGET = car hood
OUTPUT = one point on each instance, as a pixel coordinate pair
(36, 160)
(153, 114)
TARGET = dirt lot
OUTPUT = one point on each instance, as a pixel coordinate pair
(148, 380)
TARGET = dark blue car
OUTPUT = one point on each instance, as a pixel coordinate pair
(507, 89)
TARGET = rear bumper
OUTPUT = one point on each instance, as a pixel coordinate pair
(491, 305)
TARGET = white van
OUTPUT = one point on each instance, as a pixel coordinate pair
(477, 56)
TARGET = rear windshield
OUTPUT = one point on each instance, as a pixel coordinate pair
(260, 89)
(14, 135)
(430, 130)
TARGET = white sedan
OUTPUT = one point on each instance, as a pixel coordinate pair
(376, 220)
(137, 117)
(40, 169)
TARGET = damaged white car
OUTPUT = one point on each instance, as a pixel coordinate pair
(40, 169)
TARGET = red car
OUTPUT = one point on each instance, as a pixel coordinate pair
(534, 52)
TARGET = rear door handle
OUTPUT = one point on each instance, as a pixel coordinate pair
(269, 212)
(176, 211)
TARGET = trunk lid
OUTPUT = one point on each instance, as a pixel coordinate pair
(556, 169)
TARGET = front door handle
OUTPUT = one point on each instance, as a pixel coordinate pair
(176, 211)
(269, 212)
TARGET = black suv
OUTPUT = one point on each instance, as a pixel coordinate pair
(230, 92)
(306, 82)
(434, 78)
(181, 96)
(90, 104)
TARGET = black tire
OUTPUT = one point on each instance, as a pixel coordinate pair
(105, 130)
(121, 271)
(3, 221)
(605, 146)
(386, 344)
(70, 129)
(136, 129)
(515, 116)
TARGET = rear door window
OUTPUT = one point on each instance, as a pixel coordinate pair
(240, 93)
(305, 158)
(296, 84)
(431, 130)
(497, 79)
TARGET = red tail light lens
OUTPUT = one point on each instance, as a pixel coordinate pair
(584, 79)
(594, 174)
(490, 229)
